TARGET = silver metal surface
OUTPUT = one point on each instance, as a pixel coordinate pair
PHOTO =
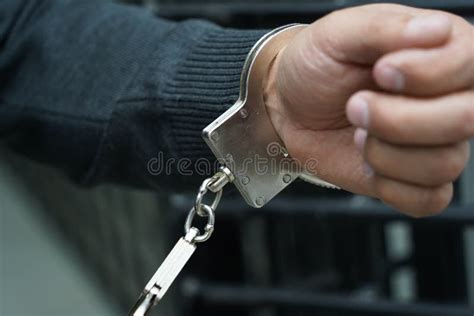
(166, 274)
(201, 193)
(244, 139)
(208, 229)
(214, 184)
(184, 249)
(220, 179)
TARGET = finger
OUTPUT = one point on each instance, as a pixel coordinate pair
(410, 121)
(339, 162)
(363, 34)
(427, 72)
(413, 200)
(425, 166)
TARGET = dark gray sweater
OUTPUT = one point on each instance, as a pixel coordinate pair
(98, 89)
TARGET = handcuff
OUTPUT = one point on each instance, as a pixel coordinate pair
(252, 157)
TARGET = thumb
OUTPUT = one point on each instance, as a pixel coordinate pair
(364, 34)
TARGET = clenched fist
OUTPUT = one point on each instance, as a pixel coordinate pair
(383, 97)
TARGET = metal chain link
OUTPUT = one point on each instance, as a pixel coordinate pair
(214, 184)
(201, 193)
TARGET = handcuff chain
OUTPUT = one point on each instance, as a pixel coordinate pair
(214, 184)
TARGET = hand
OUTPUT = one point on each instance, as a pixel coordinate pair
(383, 97)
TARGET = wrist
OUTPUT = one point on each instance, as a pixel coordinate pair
(273, 99)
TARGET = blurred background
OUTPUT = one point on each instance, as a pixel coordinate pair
(68, 251)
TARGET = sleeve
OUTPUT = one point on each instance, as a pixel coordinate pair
(109, 92)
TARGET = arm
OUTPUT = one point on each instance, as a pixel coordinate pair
(99, 89)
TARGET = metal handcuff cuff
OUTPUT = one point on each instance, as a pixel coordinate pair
(240, 162)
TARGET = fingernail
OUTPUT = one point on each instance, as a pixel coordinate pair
(390, 78)
(368, 171)
(360, 137)
(358, 111)
(427, 25)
